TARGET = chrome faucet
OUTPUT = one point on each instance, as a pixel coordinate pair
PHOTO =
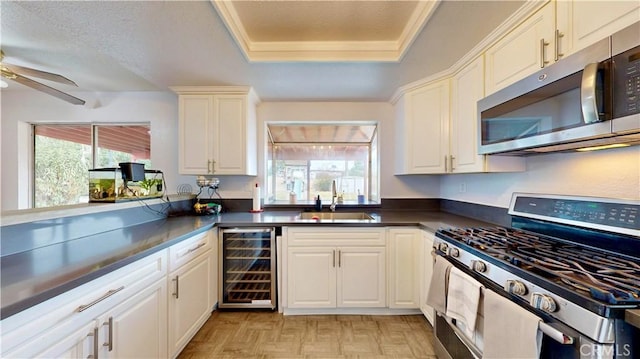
(334, 196)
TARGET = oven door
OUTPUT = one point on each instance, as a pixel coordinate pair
(558, 340)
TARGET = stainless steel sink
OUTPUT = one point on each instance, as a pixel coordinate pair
(336, 216)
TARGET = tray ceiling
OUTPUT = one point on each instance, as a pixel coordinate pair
(324, 30)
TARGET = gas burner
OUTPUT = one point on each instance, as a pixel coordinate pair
(603, 276)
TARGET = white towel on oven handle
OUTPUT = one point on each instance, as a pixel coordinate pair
(510, 331)
(437, 292)
(463, 297)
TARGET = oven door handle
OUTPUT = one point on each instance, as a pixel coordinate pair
(555, 334)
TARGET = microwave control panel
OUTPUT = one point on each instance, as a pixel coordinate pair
(627, 83)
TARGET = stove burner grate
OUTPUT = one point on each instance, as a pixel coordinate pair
(605, 276)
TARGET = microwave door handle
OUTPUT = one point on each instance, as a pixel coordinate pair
(588, 94)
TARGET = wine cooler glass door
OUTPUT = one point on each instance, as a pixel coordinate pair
(248, 268)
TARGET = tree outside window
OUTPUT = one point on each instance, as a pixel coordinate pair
(64, 154)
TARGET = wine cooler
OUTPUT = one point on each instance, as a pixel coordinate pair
(247, 273)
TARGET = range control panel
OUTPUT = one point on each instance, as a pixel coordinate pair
(585, 211)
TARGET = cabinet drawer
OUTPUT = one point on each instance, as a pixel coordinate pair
(81, 304)
(335, 236)
(187, 250)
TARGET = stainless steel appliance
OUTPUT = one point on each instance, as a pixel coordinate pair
(591, 98)
(247, 268)
(572, 261)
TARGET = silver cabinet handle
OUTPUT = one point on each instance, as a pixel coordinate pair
(334, 258)
(213, 166)
(559, 35)
(109, 344)
(209, 166)
(96, 347)
(103, 297)
(543, 45)
(177, 292)
(446, 169)
(451, 158)
(196, 247)
(588, 100)
(339, 258)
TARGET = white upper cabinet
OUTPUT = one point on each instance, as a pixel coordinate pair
(217, 130)
(581, 23)
(555, 31)
(422, 132)
(467, 87)
(437, 129)
(523, 51)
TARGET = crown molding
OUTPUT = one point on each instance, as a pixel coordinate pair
(526, 10)
(314, 51)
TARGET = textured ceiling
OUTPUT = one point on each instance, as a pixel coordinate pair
(151, 45)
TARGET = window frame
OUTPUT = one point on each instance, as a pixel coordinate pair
(94, 142)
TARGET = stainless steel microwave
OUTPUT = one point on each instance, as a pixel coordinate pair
(591, 99)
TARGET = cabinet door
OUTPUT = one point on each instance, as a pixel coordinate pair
(525, 50)
(195, 131)
(424, 138)
(404, 268)
(361, 278)
(427, 271)
(79, 344)
(311, 277)
(467, 89)
(581, 23)
(189, 301)
(230, 127)
(137, 328)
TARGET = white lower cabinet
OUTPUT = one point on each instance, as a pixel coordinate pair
(335, 268)
(336, 277)
(137, 311)
(120, 315)
(190, 289)
(137, 328)
(404, 265)
(426, 270)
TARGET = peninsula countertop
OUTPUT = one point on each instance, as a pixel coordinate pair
(34, 276)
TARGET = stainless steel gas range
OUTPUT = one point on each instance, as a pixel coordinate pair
(572, 261)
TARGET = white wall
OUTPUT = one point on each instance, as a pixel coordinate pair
(21, 107)
(609, 173)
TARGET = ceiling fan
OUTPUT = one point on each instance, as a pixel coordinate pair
(17, 73)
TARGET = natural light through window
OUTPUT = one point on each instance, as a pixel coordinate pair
(304, 160)
(64, 154)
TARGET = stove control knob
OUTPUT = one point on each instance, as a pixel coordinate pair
(515, 287)
(442, 247)
(543, 302)
(478, 266)
(454, 252)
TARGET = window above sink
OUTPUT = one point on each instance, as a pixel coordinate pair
(304, 159)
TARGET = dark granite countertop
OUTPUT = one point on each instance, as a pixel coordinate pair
(33, 276)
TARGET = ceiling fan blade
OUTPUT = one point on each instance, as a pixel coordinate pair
(46, 89)
(26, 71)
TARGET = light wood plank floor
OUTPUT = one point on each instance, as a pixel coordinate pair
(254, 334)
